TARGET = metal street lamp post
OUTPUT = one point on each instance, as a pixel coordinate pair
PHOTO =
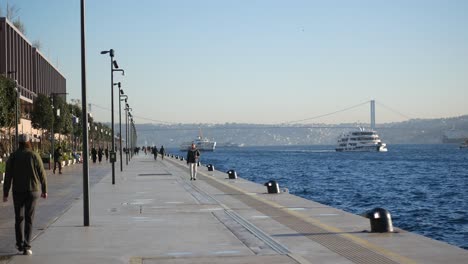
(121, 95)
(130, 120)
(113, 64)
(127, 109)
(130, 137)
(133, 134)
(84, 117)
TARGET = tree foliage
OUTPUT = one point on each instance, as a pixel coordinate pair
(58, 105)
(67, 125)
(37, 44)
(19, 25)
(41, 116)
(7, 102)
(12, 14)
(76, 113)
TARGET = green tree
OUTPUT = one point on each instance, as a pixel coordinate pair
(77, 130)
(42, 115)
(8, 101)
(12, 14)
(66, 115)
(60, 107)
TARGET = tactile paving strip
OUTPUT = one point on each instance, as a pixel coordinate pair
(336, 243)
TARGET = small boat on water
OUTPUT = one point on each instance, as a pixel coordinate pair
(464, 144)
(361, 141)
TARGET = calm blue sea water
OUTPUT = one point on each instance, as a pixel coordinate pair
(423, 186)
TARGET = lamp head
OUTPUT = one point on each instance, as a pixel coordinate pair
(111, 52)
(115, 64)
(119, 70)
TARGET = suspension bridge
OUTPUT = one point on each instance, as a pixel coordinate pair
(300, 123)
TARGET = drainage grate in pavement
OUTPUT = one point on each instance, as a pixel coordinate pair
(155, 174)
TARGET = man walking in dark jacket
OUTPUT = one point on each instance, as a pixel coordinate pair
(24, 169)
(192, 159)
(58, 159)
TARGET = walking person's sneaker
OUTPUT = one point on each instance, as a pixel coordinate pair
(27, 252)
(20, 249)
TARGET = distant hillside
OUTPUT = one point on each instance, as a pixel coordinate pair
(415, 131)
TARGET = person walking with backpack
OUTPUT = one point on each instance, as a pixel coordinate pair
(25, 172)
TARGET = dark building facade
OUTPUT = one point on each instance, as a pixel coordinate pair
(34, 73)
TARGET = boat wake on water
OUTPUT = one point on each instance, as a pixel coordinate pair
(311, 151)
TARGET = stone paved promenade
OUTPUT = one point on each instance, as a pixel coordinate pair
(154, 214)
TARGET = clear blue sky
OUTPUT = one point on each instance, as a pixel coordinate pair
(262, 61)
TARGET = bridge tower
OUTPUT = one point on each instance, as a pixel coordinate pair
(372, 114)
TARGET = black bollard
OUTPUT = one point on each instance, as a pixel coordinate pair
(272, 187)
(182, 158)
(232, 174)
(380, 220)
(210, 167)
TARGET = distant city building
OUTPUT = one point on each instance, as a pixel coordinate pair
(34, 73)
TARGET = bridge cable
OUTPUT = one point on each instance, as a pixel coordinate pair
(393, 110)
(328, 114)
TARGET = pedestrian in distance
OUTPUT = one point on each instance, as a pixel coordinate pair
(94, 154)
(193, 154)
(25, 172)
(162, 152)
(106, 152)
(58, 159)
(155, 152)
(100, 154)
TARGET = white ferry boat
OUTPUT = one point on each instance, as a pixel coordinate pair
(203, 144)
(361, 140)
